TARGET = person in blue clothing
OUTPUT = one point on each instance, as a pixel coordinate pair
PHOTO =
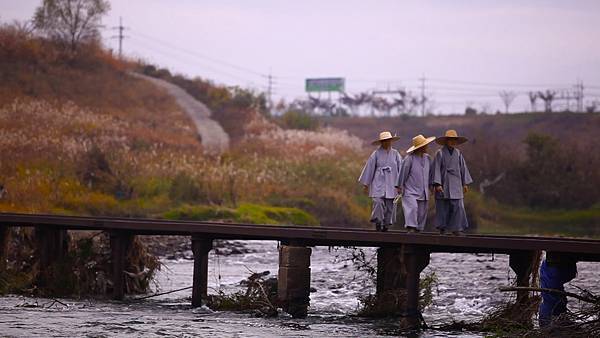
(555, 271)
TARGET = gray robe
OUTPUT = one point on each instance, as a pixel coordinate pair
(414, 179)
(380, 173)
(451, 172)
(414, 176)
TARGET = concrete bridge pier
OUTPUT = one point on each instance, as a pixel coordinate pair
(293, 282)
(120, 244)
(201, 246)
(52, 245)
(522, 262)
(416, 259)
(4, 233)
(398, 275)
(391, 279)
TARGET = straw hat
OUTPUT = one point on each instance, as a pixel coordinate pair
(385, 135)
(420, 141)
(451, 134)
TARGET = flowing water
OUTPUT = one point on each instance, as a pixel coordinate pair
(467, 288)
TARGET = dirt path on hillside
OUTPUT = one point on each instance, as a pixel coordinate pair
(214, 139)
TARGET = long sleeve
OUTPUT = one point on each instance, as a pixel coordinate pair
(368, 172)
(464, 172)
(436, 173)
(404, 171)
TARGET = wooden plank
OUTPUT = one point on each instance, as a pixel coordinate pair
(319, 236)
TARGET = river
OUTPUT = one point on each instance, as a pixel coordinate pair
(467, 288)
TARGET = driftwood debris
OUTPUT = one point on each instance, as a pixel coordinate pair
(555, 291)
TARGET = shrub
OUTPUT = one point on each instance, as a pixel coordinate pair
(295, 119)
(184, 189)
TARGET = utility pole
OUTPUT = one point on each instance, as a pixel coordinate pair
(579, 94)
(120, 28)
(270, 91)
(422, 79)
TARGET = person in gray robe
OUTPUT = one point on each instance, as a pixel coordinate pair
(379, 176)
(450, 179)
(414, 184)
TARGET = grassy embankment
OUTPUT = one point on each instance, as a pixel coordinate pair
(500, 219)
(80, 136)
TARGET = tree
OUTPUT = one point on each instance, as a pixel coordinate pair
(547, 97)
(533, 96)
(507, 97)
(70, 21)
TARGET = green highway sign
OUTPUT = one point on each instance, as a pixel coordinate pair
(332, 84)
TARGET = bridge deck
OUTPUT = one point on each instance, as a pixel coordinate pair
(586, 249)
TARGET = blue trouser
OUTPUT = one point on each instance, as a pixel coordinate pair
(553, 277)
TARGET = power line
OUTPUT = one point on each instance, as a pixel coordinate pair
(170, 54)
(202, 56)
(496, 84)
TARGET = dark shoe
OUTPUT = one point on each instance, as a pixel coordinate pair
(377, 226)
(412, 230)
(442, 231)
(384, 228)
(458, 233)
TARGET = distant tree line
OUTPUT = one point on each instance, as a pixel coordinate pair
(550, 173)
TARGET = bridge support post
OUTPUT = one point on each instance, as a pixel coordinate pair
(521, 262)
(293, 282)
(201, 246)
(120, 243)
(391, 278)
(53, 245)
(4, 233)
(398, 275)
(416, 259)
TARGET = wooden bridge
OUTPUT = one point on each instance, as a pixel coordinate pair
(401, 256)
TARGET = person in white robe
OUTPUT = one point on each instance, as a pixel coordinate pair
(414, 183)
(450, 179)
(378, 177)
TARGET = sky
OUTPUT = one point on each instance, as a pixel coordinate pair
(467, 51)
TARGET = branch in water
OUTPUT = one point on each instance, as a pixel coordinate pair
(555, 291)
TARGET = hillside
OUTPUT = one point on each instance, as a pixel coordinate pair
(79, 135)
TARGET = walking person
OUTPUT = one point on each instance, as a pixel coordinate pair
(451, 178)
(413, 183)
(379, 176)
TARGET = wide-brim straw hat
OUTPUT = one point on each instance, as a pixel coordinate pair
(385, 135)
(419, 141)
(451, 134)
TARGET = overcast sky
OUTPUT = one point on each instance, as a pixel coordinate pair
(466, 50)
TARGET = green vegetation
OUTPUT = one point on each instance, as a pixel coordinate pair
(245, 213)
(492, 217)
